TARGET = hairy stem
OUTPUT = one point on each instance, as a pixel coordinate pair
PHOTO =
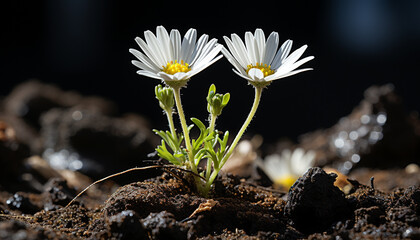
(169, 113)
(212, 122)
(257, 98)
(177, 95)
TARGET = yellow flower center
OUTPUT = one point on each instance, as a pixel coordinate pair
(286, 181)
(263, 67)
(175, 67)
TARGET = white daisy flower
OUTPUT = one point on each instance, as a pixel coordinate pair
(165, 57)
(285, 168)
(258, 60)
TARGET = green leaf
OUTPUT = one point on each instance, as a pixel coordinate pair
(226, 99)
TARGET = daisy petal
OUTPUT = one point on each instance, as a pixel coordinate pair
(233, 61)
(202, 41)
(256, 74)
(148, 74)
(165, 42)
(278, 76)
(143, 45)
(282, 54)
(270, 48)
(251, 48)
(240, 50)
(153, 43)
(176, 44)
(260, 44)
(188, 44)
(144, 59)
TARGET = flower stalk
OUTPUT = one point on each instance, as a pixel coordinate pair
(165, 57)
(185, 131)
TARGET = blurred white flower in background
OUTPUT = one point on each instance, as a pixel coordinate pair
(285, 168)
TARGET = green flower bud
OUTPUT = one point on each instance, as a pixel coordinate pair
(216, 101)
(165, 95)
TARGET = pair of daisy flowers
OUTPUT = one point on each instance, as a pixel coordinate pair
(165, 57)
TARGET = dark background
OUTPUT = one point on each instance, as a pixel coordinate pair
(83, 45)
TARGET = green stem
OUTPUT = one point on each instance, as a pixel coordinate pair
(257, 98)
(213, 118)
(210, 181)
(169, 113)
(212, 122)
(177, 95)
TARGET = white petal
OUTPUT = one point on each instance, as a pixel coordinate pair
(153, 44)
(148, 74)
(233, 61)
(260, 44)
(144, 59)
(188, 44)
(143, 66)
(295, 55)
(279, 76)
(290, 63)
(245, 76)
(175, 77)
(201, 67)
(205, 50)
(251, 48)
(209, 56)
(282, 54)
(202, 41)
(176, 44)
(165, 43)
(143, 45)
(271, 48)
(241, 50)
(256, 74)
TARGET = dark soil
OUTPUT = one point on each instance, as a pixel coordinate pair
(45, 138)
(165, 208)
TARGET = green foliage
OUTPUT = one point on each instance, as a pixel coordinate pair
(216, 101)
(177, 155)
(210, 144)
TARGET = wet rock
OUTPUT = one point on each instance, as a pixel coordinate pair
(22, 201)
(163, 225)
(375, 134)
(31, 99)
(57, 194)
(314, 203)
(24, 106)
(126, 225)
(372, 215)
(93, 143)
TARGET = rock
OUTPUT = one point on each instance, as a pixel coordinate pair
(377, 132)
(314, 203)
(93, 143)
(163, 225)
(57, 194)
(33, 98)
(126, 225)
(23, 202)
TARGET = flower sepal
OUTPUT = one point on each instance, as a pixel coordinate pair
(216, 101)
(165, 95)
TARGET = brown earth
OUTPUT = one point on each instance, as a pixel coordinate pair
(54, 143)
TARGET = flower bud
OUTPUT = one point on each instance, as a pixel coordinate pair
(165, 95)
(216, 101)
